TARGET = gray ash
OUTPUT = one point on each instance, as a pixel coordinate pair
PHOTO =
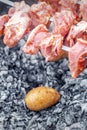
(19, 73)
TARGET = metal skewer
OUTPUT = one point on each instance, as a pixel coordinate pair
(8, 2)
(65, 48)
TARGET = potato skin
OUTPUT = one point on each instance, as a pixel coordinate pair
(41, 97)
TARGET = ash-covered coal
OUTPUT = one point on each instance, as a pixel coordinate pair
(19, 73)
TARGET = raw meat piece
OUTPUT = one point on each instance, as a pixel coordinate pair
(77, 57)
(40, 13)
(70, 5)
(18, 6)
(62, 21)
(23, 19)
(54, 5)
(37, 35)
(17, 26)
(77, 31)
(51, 46)
(83, 9)
(50, 43)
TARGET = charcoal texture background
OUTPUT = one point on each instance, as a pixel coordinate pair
(19, 73)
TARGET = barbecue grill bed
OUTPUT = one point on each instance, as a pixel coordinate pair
(19, 73)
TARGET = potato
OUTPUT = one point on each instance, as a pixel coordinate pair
(41, 97)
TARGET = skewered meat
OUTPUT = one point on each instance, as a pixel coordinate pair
(17, 26)
(40, 13)
(3, 20)
(37, 35)
(54, 5)
(83, 9)
(18, 6)
(77, 60)
(51, 47)
(62, 21)
(50, 43)
(70, 5)
(23, 19)
(77, 31)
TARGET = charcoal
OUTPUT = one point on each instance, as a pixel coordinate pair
(83, 83)
(9, 78)
(12, 57)
(60, 126)
(68, 119)
(77, 126)
(4, 95)
(3, 72)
